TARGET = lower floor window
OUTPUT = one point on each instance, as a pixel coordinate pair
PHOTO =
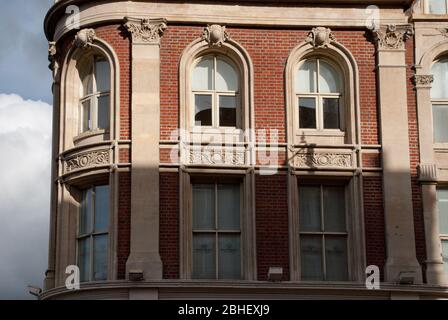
(323, 233)
(216, 231)
(93, 234)
(442, 205)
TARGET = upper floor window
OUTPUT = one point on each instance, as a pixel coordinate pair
(439, 100)
(437, 6)
(318, 89)
(215, 88)
(95, 95)
(93, 234)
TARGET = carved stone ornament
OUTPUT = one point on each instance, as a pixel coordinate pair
(392, 36)
(215, 156)
(320, 37)
(85, 38)
(443, 31)
(145, 31)
(323, 160)
(52, 58)
(215, 35)
(87, 160)
(423, 81)
(427, 172)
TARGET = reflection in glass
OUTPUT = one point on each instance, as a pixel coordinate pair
(203, 110)
(307, 113)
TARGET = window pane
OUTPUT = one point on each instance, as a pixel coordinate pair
(102, 75)
(86, 120)
(442, 206)
(309, 209)
(439, 88)
(203, 75)
(307, 113)
(306, 77)
(334, 209)
(328, 78)
(84, 259)
(445, 255)
(102, 209)
(87, 80)
(204, 256)
(204, 207)
(229, 207)
(227, 111)
(336, 258)
(440, 116)
(437, 6)
(331, 113)
(226, 77)
(100, 258)
(103, 112)
(311, 257)
(229, 257)
(85, 219)
(203, 107)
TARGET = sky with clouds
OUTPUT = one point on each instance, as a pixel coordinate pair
(25, 146)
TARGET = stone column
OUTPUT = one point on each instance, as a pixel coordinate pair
(391, 72)
(144, 258)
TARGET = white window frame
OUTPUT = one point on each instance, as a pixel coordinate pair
(216, 94)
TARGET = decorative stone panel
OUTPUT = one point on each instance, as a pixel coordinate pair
(215, 156)
(87, 160)
(323, 160)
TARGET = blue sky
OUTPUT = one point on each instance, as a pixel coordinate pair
(25, 146)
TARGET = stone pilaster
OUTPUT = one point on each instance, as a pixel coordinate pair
(391, 72)
(144, 257)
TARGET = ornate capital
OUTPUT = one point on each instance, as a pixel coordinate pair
(427, 172)
(215, 35)
(320, 37)
(392, 37)
(52, 58)
(145, 31)
(85, 38)
(423, 81)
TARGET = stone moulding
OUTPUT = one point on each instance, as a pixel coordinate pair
(423, 81)
(427, 172)
(215, 35)
(323, 160)
(320, 37)
(215, 156)
(145, 31)
(85, 38)
(87, 160)
(392, 37)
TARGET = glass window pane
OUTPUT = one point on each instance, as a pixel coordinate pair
(306, 77)
(86, 75)
(328, 78)
(84, 259)
(331, 113)
(86, 124)
(204, 207)
(311, 258)
(229, 257)
(226, 76)
(204, 256)
(103, 112)
(442, 206)
(102, 209)
(437, 6)
(307, 113)
(102, 75)
(336, 258)
(229, 207)
(85, 219)
(203, 75)
(203, 110)
(310, 209)
(439, 88)
(440, 116)
(445, 255)
(100, 258)
(334, 209)
(227, 111)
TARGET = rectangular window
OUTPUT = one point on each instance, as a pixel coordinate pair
(93, 234)
(216, 231)
(307, 113)
(323, 233)
(437, 6)
(440, 118)
(442, 206)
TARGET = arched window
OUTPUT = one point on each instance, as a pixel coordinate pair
(439, 99)
(95, 94)
(215, 88)
(318, 89)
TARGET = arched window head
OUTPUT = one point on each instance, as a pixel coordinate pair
(439, 98)
(318, 89)
(215, 88)
(95, 94)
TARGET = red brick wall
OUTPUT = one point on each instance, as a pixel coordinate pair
(169, 224)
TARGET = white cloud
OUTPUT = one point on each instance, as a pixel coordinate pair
(25, 149)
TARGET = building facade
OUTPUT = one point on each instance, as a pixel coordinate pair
(249, 149)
